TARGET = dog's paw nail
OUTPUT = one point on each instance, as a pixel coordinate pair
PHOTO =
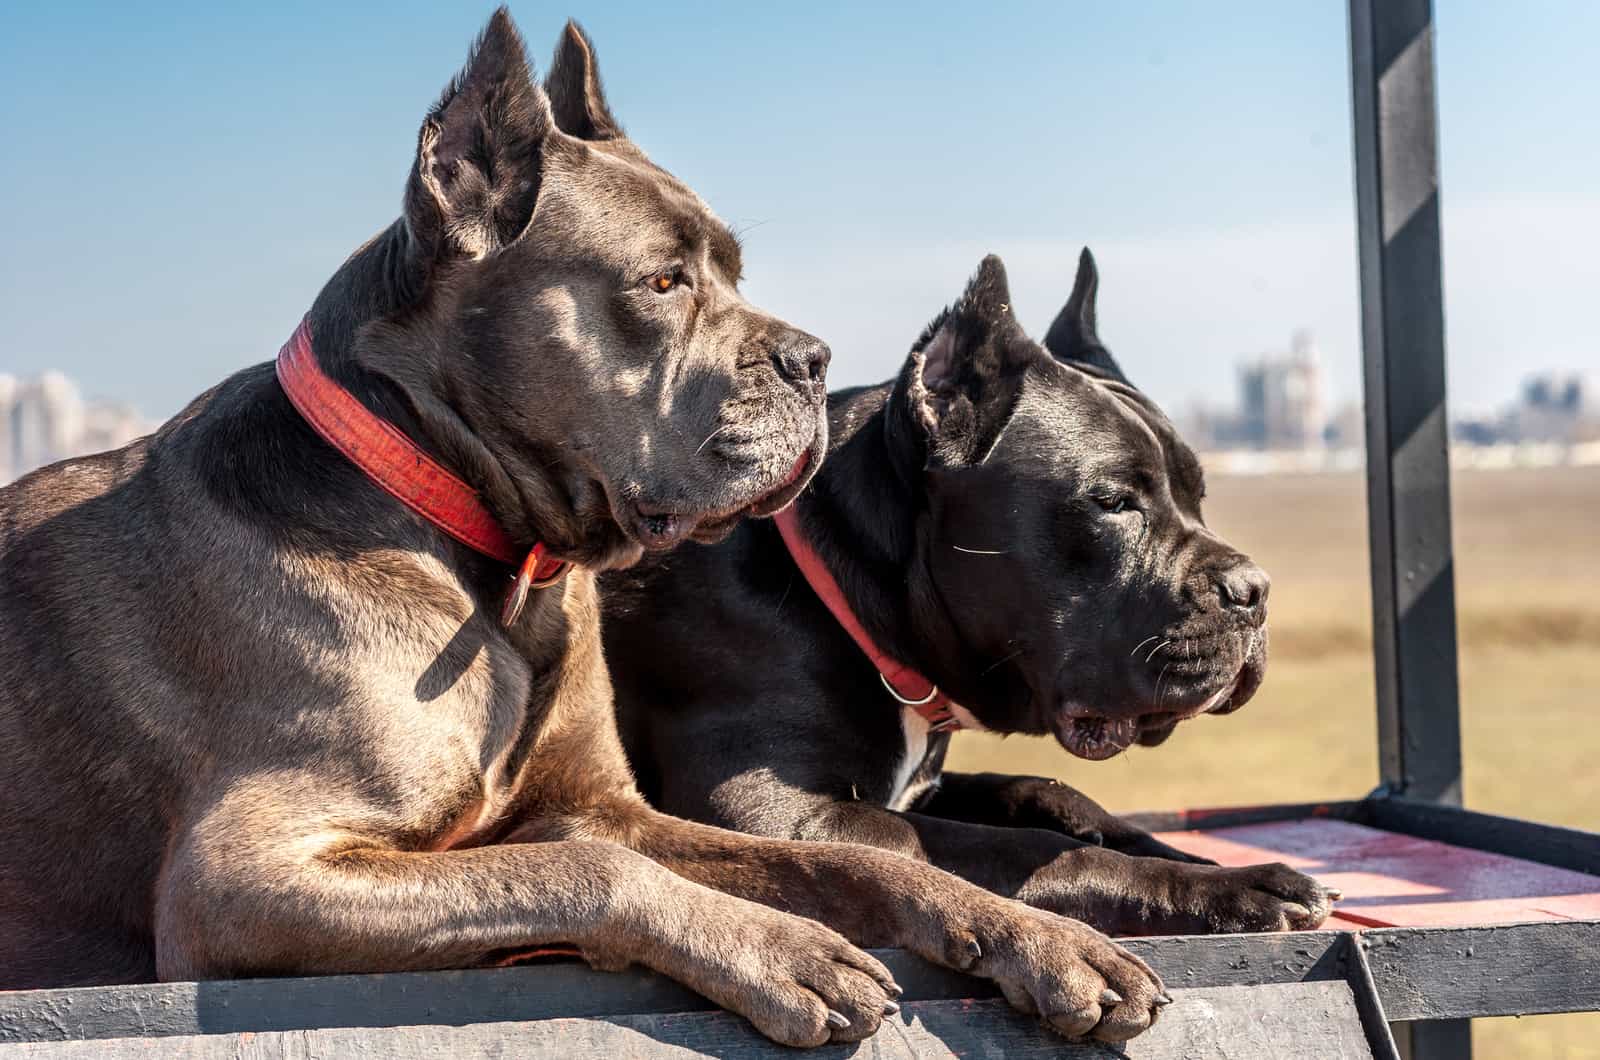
(1334, 894)
(974, 951)
(837, 1020)
(890, 1008)
(895, 989)
(1162, 1001)
(1295, 911)
(1109, 996)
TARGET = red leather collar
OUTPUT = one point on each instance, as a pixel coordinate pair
(905, 684)
(398, 467)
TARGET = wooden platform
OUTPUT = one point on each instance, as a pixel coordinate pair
(1447, 914)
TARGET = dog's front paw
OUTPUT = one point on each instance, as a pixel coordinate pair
(798, 982)
(1270, 897)
(1076, 980)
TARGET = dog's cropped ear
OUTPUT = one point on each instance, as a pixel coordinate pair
(959, 385)
(479, 154)
(1072, 337)
(576, 96)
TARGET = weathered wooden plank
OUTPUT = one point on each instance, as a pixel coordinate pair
(553, 991)
(1241, 960)
(1420, 974)
(1502, 970)
(458, 997)
(1302, 1020)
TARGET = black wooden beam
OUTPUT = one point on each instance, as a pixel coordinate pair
(1354, 810)
(1499, 970)
(1402, 331)
(1567, 848)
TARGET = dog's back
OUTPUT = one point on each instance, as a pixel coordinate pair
(117, 572)
(70, 540)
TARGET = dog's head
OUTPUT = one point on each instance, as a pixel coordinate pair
(575, 315)
(1064, 540)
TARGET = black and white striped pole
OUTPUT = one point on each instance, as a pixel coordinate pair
(1408, 459)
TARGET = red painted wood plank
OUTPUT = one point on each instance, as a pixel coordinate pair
(1392, 880)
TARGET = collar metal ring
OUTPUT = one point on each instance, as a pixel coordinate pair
(924, 701)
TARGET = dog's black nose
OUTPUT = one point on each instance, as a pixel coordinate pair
(803, 360)
(1244, 585)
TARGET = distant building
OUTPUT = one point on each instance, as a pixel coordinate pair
(1281, 398)
(1551, 409)
(8, 394)
(44, 420)
(1347, 427)
(1555, 409)
(1282, 404)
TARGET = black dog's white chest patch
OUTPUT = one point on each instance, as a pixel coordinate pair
(911, 782)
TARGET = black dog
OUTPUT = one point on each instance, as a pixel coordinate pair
(1020, 525)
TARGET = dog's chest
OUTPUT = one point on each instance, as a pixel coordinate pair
(911, 782)
(469, 749)
(545, 742)
(470, 728)
(461, 711)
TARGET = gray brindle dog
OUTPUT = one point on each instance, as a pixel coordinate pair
(258, 717)
(1021, 527)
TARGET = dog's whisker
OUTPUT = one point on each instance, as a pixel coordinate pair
(710, 436)
(1156, 649)
(1141, 644)
(978, 551)
(1163, 676)
(1000, 662)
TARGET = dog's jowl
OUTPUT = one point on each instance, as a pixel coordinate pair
(1007, 537)
(311, 679)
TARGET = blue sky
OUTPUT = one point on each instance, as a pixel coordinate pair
(178, 180)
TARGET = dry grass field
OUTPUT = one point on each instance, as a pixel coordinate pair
(1528, 593)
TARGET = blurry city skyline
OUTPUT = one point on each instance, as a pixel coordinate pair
(1283, 418)
(179, 190)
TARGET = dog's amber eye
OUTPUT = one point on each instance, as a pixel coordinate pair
(665, 280)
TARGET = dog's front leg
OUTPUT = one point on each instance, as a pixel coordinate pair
(1037, 802)
(332, 903)
(1115, 892)
(1078, 980)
